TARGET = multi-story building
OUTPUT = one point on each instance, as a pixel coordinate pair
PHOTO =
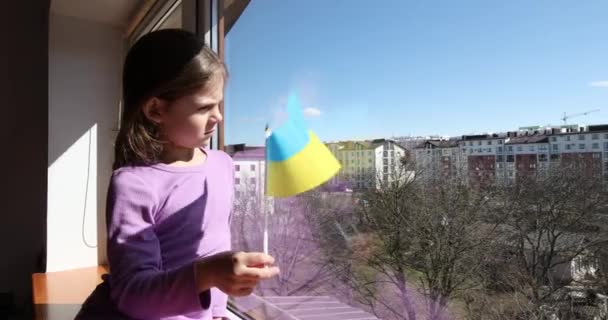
(249, 171)
(369, 163)
(492, 158)
(439, 156)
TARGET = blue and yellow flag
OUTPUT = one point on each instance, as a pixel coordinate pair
(297, 161)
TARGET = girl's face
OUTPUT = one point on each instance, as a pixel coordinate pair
(190, 121)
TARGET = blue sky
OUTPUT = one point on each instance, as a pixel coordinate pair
(401, 67)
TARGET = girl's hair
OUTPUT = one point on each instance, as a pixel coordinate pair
(167, 64)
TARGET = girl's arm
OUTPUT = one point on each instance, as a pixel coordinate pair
(140, 286)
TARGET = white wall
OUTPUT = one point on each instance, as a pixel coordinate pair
(85, 60)
(245, 174)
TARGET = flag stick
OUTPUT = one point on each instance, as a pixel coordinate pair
(267, 133)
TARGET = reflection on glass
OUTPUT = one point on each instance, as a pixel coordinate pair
(462, 193)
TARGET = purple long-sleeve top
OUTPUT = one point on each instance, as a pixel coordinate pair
(161, 219)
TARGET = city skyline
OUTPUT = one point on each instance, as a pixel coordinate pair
(445, 69)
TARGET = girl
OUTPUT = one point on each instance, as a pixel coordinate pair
(169, 201)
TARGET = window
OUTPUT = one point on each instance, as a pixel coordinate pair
(320, 59)
(568, 147)
(605, 145)
(567, 138)
(581, 146)
(595, 146)
(252, 167)
(581, 137)
(252, 180)
(597, 155)
(595, 136)
(237, 168)
(237, 181)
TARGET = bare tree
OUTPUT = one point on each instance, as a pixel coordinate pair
(413, 244)
(548, 220)
(290, 238)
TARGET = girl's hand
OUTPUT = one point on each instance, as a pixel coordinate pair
(236, 274)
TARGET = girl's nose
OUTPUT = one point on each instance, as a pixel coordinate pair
(217, 114)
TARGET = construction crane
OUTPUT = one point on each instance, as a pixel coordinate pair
(569, 116)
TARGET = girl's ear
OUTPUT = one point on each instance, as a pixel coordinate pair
(154, 109)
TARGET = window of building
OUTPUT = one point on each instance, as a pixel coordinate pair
(237, 168)
(252, 167)
(581, 146)
(595, 146)
(595, 136)
(581, 137)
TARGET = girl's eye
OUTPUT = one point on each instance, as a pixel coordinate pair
(205, 108)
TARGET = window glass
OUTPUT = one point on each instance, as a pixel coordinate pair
(433, 230)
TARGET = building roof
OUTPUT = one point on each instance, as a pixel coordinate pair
(438, 144)
(249, 153)
(362, 145)
(527, 139)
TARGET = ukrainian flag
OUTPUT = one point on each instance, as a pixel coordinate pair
(297, 161)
